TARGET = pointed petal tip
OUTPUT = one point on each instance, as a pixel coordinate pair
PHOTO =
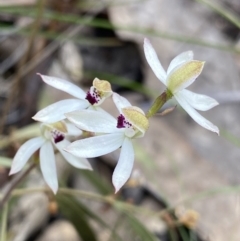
(116, 189)
(35, 118)
(11, 172)
(55, 190)
(39, 119)
(147, 43)
(146, 40)
(190, 54)
(89, 168)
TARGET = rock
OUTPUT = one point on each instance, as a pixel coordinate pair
(197, 158)
(60, 230)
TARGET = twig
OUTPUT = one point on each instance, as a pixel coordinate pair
(26, 57)
(6, 193)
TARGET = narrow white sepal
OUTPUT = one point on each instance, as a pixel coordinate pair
(55, 112)
(93, 121)
(96, 146)
(64, 85)
(198, 101)
(180, 59)
(24, 153)
(77, 162)
(154, 62)
(195, 115)
(48, 166)
(124, 166)
(120, 102)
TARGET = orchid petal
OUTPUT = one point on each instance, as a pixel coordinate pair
(48, 166)
(120, 102)
(64, 85)
(184, 75)
(96, 146)
(24, 153)
(77, 162)
(154, 62)
(72, 130)
(197, 101)
(124, 166)
(180, 59)
(99, 109)
(93, 121)
(195, 115)
(56, 111)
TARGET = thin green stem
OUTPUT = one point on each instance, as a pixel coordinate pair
(6, 193)
(105, 24)
(158, 103)
(117, 224)
(83, 194)
(3, 230)
(222, 11)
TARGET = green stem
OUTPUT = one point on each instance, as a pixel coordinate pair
(6, 193)
(83, 194)
(3, 230)
(234, 19)
(158, 103)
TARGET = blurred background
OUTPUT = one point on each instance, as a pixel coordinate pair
(185, 184)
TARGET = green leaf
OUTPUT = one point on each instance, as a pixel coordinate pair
(74, 212)
(98, 182)
(143, 233)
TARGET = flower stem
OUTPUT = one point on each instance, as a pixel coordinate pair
(3, 228)
(14, 182)
(159, 102)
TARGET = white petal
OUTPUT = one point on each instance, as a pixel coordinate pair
(153, 61)
(197, 101)
(93, 121)
(99, 109)
(64, 85)
(24, 153)
(72, 130)
(77, 162)
(120, 102)
(55, 112)
(96, 146)
(195, 115)
(180, 59)
(124, 166)
(48, 166)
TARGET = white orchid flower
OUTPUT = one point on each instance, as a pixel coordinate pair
(181, 73)
(99, 91)
(53, 135)
(130, 124)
